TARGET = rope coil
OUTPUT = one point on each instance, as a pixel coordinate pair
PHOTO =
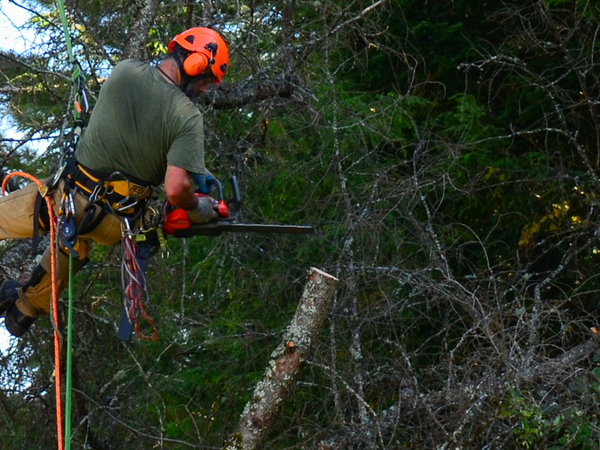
(134, 287)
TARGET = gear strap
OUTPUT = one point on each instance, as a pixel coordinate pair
(91, 219)
(40, 218)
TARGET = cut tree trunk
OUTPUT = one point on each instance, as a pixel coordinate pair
(280, 377)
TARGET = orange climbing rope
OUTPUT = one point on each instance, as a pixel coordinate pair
(44, 193)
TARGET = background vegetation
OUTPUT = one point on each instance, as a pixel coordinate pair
(448, 154)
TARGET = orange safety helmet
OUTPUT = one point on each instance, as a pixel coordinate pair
(208, 49)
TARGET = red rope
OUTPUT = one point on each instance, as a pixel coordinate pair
(43, 192)
(134, 288)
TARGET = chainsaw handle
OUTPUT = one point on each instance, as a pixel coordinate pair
(220, 208)
(212, 181)
(226, 209)
(235, 203)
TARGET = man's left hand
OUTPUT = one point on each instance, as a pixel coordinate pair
(204, 211)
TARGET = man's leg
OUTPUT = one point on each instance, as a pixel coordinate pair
(16, 221)
(16, 213)
(27, 302)
(24, 303)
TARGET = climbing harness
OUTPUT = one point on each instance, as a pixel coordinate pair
(116, 193)
(127, 198)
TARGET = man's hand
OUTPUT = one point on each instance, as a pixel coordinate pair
(179, 188)
(204, 182)
(180, 192)
(204, 211)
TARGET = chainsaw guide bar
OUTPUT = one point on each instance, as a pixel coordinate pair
(229, 212)
(226, 226)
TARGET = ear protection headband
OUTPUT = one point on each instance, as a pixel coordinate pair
(197, 62)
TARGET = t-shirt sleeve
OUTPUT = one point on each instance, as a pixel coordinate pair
(187, 148)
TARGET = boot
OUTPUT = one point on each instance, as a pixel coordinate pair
(8, 295)
(16, 322)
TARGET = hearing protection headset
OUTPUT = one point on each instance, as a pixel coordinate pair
(207, 50)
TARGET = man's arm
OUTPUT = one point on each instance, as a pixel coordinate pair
(180, 192)
(179, 188)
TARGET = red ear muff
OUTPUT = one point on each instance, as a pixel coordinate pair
(195, 64)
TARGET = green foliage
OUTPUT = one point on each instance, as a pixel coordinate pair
(447, 157)
(536, 424)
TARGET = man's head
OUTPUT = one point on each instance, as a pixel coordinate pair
(202, 57)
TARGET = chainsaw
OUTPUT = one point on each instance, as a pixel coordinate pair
(177, 223)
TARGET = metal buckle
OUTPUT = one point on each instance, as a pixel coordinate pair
(95, 195)
(67, 205)
(126, 230)
(150, 219)
(121, 205)
(58, 175)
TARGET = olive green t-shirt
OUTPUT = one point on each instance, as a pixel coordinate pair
(140, 124)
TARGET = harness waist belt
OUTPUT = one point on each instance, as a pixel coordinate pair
(122, 194)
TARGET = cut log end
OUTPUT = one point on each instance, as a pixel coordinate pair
(317, 272)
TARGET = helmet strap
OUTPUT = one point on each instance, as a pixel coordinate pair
(179, 63)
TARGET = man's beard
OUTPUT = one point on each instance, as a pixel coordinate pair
(189, 85)
(189, 89)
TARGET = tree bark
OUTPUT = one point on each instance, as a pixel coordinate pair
(249, 91)
(286, 361)
(138, 34)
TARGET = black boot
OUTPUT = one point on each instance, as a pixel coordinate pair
(16, 322)
(8, 295)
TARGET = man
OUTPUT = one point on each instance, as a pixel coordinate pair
(145, 128)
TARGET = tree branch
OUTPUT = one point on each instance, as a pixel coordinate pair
(138, 34)
(252, 90)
